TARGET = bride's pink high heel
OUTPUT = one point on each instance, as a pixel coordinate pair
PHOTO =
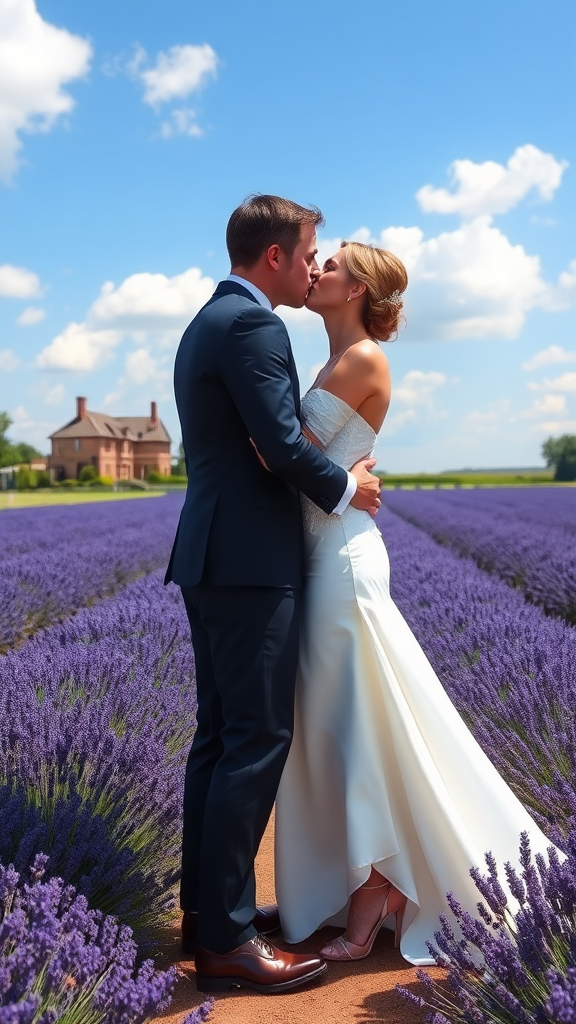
(343, 949)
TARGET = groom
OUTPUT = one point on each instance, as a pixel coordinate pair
(238, 559)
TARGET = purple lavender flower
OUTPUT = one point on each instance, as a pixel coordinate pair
(526, 971)
(96, 719)
(526, 537)
(56, 560)
(53, 964)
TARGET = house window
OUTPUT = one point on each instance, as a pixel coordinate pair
(108, 446)
(108, 470)
(76, 445)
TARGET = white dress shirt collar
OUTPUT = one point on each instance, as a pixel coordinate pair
(258, 295)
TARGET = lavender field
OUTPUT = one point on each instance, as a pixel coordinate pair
(97, 707)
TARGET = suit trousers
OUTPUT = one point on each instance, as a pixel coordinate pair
(246, 652)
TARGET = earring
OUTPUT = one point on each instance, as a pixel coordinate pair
(348, 299)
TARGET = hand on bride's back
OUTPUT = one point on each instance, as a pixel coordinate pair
(367, 495)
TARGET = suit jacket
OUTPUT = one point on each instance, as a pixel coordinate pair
(235, 379)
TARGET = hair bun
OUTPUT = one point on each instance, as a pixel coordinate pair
(384, 275)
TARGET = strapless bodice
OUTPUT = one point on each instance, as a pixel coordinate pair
(345, 437)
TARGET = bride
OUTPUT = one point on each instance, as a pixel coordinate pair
(386, 800)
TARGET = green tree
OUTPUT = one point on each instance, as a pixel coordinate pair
(560, 452)
(179, 469)
(5, 424)
(13, 454)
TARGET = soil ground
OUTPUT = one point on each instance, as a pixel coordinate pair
(351, 993)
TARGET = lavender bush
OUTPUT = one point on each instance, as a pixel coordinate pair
(549, 507)
(55, 561)
(60, 961)
(511, 965)
(510, 669)
(536, 555)
(96, 717)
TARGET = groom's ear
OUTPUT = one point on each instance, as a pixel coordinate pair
(273, 256)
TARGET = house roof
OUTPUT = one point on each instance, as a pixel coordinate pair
(141, 425)
(98, 424)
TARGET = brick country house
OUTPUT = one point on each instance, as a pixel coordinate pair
(121, 447)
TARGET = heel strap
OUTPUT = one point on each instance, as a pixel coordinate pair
(381, 886)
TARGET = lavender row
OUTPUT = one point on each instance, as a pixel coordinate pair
(30, 530)
(539, 560)
(85, 554)
(550, 507)
(509, 668)
(96, 718)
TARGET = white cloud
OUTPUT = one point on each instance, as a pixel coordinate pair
(111, 398)
(17, 282)
(79, 348)
(8, 360)
(416, 387)
(151, 309)
(548, 405)
(21, 419)
(182, 122)
(417, 391)
(548, 357)
(481, 419)
(30, 316)
(26, 428)
(177, 73)
(557, 427)
(36, 61)
(566, 382)
(491, 188)
(562, 295)
(146, 301)
(395, 421)
(468, 283)
(55, 395)
(140, 366)
(488, 421)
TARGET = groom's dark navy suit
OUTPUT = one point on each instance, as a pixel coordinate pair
(238, 559)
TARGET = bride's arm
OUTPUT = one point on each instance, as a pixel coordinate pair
(307, 433)
(312, 437)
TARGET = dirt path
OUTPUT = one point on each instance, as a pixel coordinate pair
(361, 993)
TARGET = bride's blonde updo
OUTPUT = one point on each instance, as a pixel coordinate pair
(385, 278)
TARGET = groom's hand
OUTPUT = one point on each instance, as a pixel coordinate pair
(367, 495)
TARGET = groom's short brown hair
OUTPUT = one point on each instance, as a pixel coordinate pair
(261, 221)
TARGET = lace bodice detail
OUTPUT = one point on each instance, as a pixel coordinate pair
(345, 437)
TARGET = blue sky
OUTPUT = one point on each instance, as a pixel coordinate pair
(129, 131)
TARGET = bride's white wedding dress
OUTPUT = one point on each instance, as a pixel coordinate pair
(382, 770)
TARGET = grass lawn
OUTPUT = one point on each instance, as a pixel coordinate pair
(27, 499)
(409, 481)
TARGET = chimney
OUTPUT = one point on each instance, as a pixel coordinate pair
(153, 414)
(80, 408)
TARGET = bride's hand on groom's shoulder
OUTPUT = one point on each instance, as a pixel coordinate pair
(367, 496)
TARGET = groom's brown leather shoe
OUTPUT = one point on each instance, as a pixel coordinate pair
(267, 920)
(256, 964)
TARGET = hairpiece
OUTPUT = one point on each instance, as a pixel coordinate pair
(395, 299)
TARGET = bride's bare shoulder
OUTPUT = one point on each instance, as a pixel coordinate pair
(364, 358)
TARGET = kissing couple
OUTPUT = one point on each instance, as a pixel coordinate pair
(312, 691)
